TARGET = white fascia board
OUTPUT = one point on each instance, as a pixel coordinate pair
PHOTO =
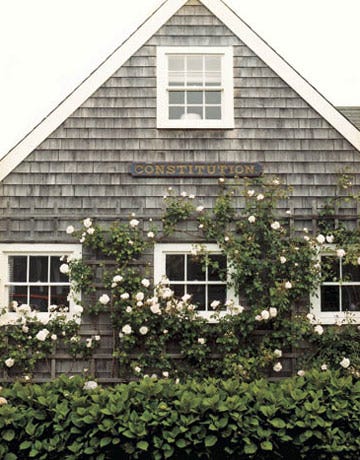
(32, 140)
(264, 51)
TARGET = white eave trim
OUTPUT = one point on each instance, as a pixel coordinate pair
(166, 10)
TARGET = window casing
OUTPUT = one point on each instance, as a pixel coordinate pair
(338, 296)
(29, 274)
(195, 87)
(187, 275)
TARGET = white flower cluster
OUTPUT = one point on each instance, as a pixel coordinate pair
(267, 314)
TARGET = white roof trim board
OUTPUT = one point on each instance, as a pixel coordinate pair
(167, 9)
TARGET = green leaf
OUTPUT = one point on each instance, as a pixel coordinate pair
(143, 445)
(8, 435)
(105, 441)
(10, 456)
(250, 449)
(278, 423)
(210, 440)
(266, 445)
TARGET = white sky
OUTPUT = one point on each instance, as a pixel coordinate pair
(47, 47)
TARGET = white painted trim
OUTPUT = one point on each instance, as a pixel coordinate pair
(31, 249)
(219, 8)
(162, 249)
(227, 88)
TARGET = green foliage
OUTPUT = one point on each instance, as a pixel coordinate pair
(316, 416)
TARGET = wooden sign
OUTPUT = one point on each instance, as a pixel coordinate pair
(196, 169)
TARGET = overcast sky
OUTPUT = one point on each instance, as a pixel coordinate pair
(47, 47)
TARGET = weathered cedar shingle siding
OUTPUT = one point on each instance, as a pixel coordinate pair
(82, 168)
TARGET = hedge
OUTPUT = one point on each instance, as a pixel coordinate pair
(314, 416)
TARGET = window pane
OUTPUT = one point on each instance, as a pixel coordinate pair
(217, 292)
(194, 97)
(175, 264)
(330, 268)
(213, 113)
(213, 97)
(176, 113)
(17, 269)
(38, 268)
(351, 272)
(217, 267)
(55, 275)
(194, 79)
(350, 298)
(330, 298)
(179, 290)
(212, 79)
(176, 78)
(213, 63)
(196, 112)
(176, 62)
(176, 97)
(18, 294)
(59, 295)
(194, 63)
(195, 271)
(39, 298)
(197, 295)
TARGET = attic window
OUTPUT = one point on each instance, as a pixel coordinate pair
(195, 87)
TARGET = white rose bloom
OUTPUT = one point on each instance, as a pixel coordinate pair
(104, 299)
(265, 314)
(282, 259)
(201, 340)
(310, 317)
(288, 285)
(277, 367)
(192, 196)
(125, 296)
(273, 312)
(143, 330)
(137, 369)
(82, 239)
(54, 337)
(134, 223)
(155, 308)
(87, 222)
(358, 260)
(301, 373)
(90, 385)
(214, 304)
(25, 329)
(9, 362)
(307, 238)
(126, 329)
(275, 225)
(151, 235)
(330, 238)
(200, 208)
(250, 192)
(88, 343)
(345, 363)
(97, 338)
(90, 230)
(186, 297)
(260, 197)
(128, 309)
(165, 331)
(319, 329)
(42, 335)
(278, 353)
(3, 401)
(145, 282)
(258, 318)
(251, 219)
(77, 309)
(117, 279)
(70, 229)
(183, 194)
(323, 367)
(340, 253)
(64, 268)
(226, 238)
(236, 309)
(165, 374)
(320, 239)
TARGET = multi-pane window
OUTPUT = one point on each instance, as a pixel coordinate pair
(205, 279)
(340, 290)
(195, 87)
(36, 280)
(30, 274)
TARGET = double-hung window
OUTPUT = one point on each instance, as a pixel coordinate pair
(30, 274)
(188, 274)
(338, 296)
(195, 87)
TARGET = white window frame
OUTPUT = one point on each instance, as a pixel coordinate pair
(16, 249)
(331, 317)
(163, 249)
(227, 88)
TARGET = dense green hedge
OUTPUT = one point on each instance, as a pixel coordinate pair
(315, 416)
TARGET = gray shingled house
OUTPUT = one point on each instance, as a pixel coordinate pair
(192, 95)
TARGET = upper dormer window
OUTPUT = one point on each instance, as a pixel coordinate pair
(195, 87)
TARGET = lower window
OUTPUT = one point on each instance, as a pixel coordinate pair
(206, 282)
(32, 275)
(339, 293)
